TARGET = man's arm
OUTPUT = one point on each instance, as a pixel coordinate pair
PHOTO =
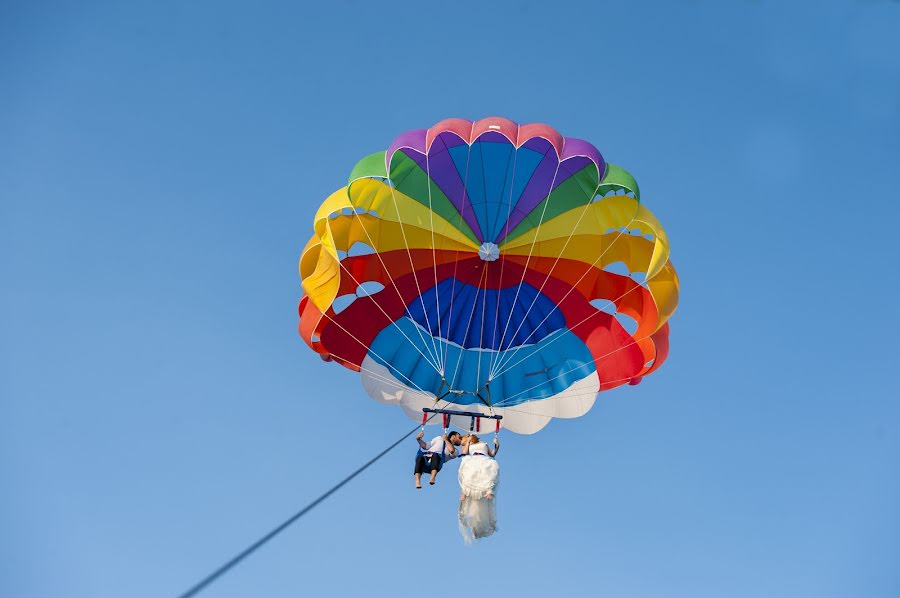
(420, 441)
(451, 449)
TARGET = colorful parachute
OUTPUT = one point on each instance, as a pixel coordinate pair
(492, 267)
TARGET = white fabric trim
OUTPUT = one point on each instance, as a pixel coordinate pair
(525, 418)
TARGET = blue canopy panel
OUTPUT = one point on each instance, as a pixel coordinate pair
(495, 175)
(476, 321)
(546, 369)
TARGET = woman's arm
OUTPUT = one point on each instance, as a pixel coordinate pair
(464, 447)
(420, 441)
(493, 451)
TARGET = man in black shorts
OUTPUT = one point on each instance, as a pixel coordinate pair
(431, 456)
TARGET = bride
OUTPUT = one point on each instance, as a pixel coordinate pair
(478, 476)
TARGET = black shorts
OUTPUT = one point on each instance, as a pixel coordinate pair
(427, 462)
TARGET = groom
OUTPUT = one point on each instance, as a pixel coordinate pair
(431, 456)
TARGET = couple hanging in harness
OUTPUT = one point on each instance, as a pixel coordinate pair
(478, 477)
(431, 456)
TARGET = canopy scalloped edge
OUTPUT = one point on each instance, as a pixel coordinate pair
(469, 131)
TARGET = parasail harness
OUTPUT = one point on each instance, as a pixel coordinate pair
(447, 414)
(476, 417)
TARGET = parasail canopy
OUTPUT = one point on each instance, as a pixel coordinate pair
(489, 266)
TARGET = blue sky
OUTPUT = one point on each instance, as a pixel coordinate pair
(160, 164)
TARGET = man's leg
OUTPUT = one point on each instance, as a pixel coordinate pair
(420, 467)
(435, 467)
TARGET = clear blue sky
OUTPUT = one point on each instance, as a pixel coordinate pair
(160, 164)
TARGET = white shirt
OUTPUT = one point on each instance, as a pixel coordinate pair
(437, 446)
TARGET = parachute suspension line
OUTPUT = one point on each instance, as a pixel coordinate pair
(412, 268)
(503, 368)
(495, 354)
(399, 296)
(377, 376)
(370, 350)
(507, 367)
(456, 257)
(584, 211)
(582, 321)
(393, 382)
(459, 361)
(485, 278)
(437, 296)
(512, 306)
(396, 290)
(595, 360)
(481, 334)
(230, 564)
(392, 321)
(579, 395)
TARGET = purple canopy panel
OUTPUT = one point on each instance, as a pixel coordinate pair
(538, 187)
(414, 140)
(442, 170)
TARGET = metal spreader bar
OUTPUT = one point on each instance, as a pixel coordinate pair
(463, 413)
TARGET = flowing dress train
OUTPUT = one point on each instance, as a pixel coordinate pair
(478, 477)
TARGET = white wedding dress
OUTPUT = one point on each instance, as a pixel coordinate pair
(478, 476)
